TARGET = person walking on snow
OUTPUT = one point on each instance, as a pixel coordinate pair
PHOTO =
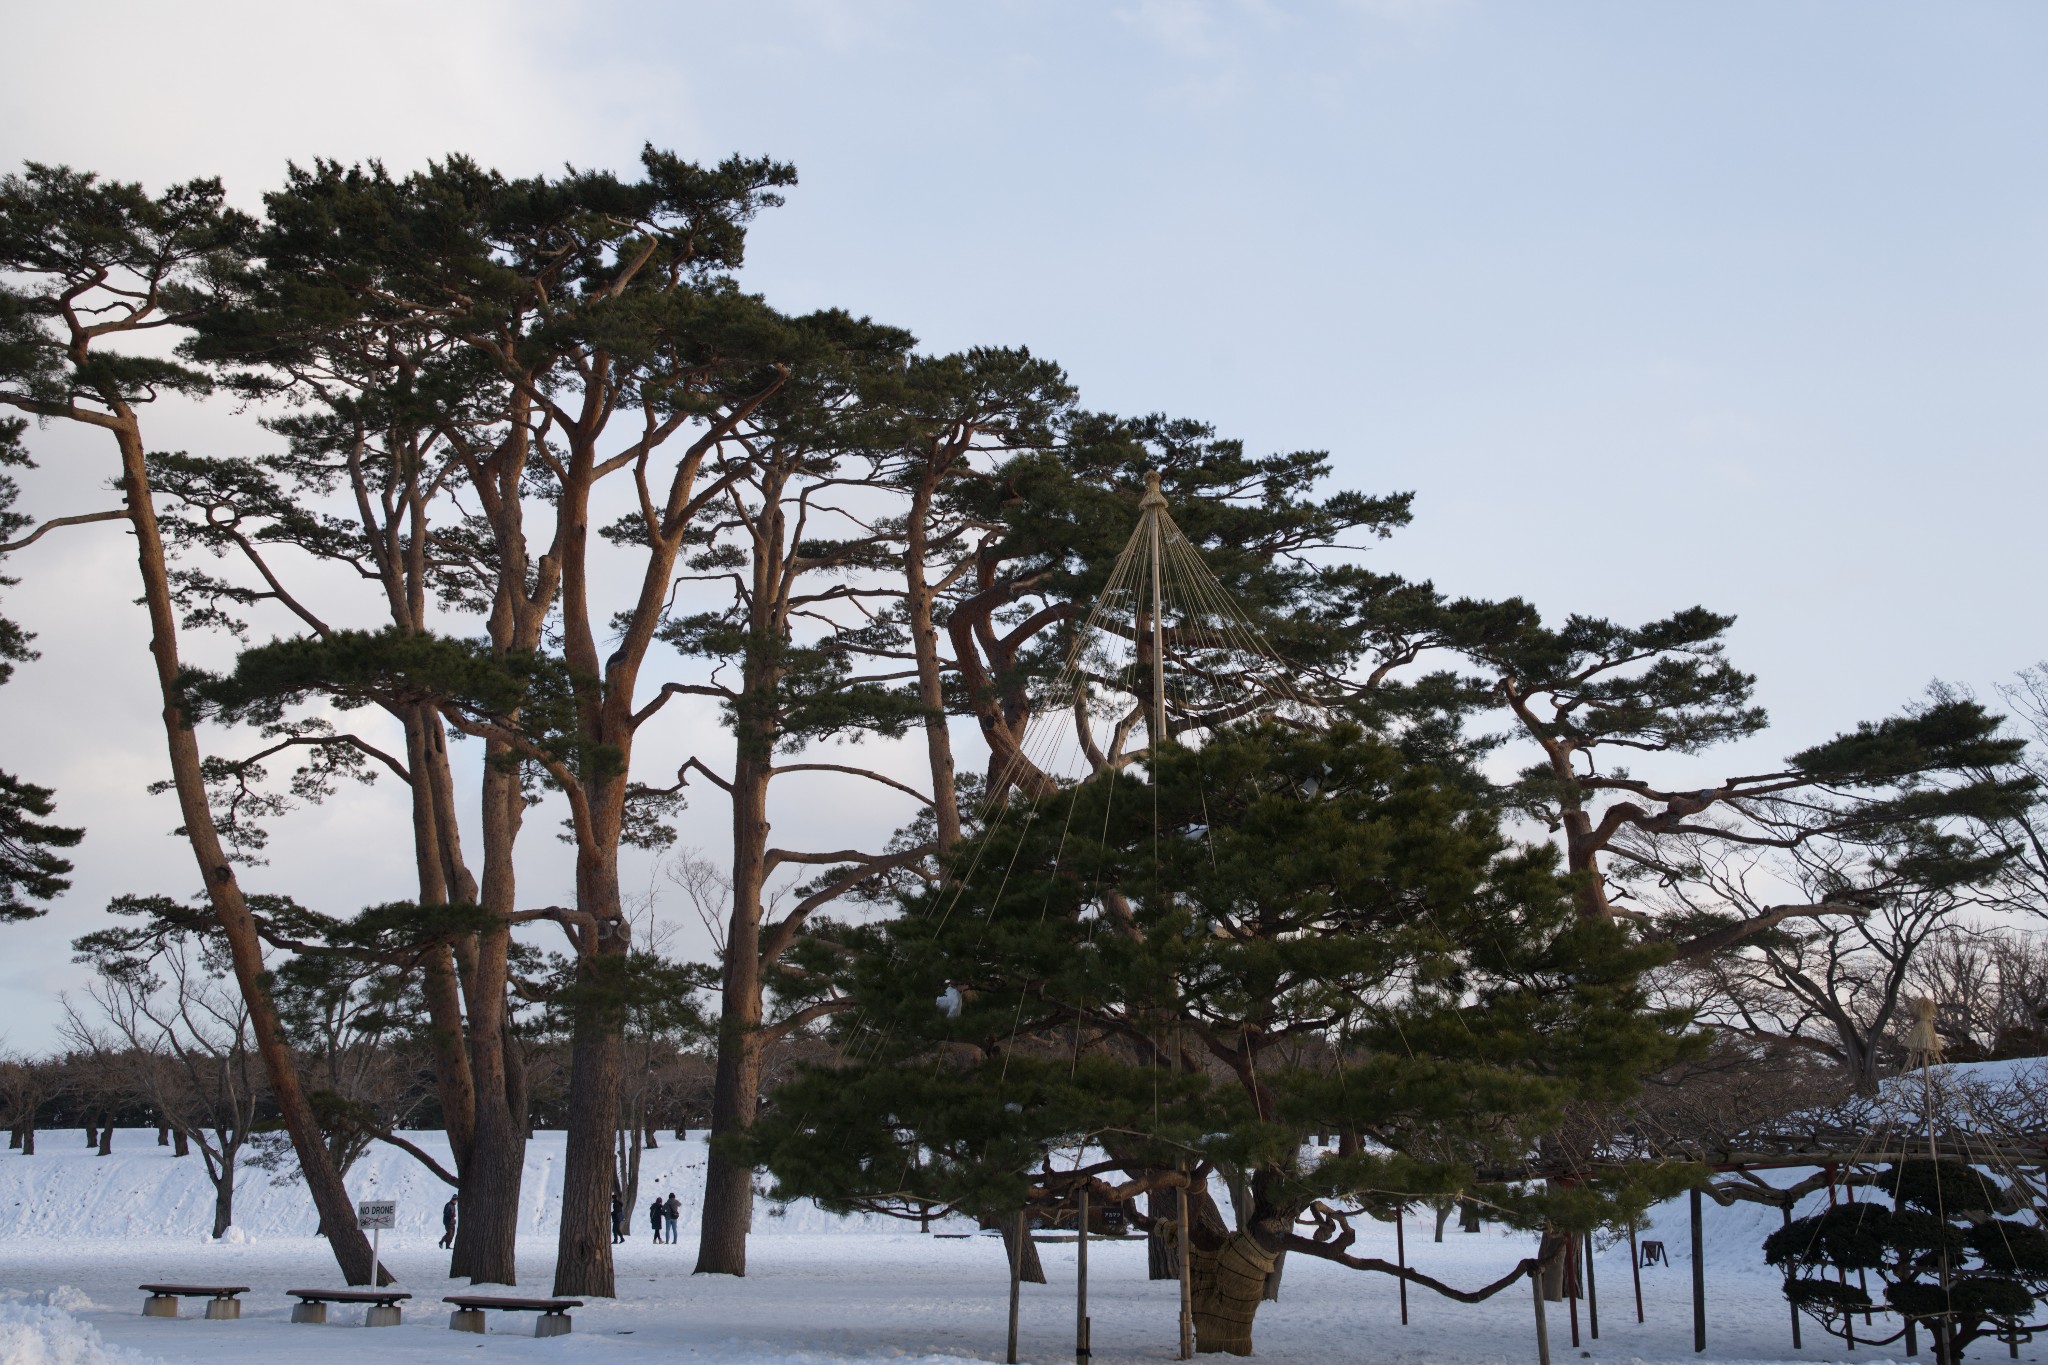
(618, 1219)
(673, 1210)
(448, 1223)
(654, 1212)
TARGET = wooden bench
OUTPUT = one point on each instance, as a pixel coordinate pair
(163, 1299)
(383, 1310)
(469, 1312)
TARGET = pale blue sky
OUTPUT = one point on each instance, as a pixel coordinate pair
(1650, 303)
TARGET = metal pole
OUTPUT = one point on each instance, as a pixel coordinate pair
(1542, 1327)
(1187, 1284)
(1401, 1256)
(1635, 1268)
(1699, 1277)
(1016, 1282)
(1592, 1297)
(1081, 1351)
(376, 1253)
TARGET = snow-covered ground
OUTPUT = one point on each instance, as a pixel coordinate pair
(79, 1232)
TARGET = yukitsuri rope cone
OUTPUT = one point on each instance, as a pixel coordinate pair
(1229, 1281)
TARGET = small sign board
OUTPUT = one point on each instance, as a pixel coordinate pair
(374, 1214)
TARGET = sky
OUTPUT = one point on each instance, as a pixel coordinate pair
(1742, 304)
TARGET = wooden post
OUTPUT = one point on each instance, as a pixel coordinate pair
(1635, 1268)
(1081, 1351)
(1912, 1337)
(1786, 1210)
(1401, 1257)
(1542, 1327)
(1016, 1280)
(1699, 1276)
(1187, 1283)
(1592, 1299)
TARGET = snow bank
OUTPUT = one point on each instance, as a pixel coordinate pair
(45, 1333)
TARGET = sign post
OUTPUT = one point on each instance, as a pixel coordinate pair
(376, 1215)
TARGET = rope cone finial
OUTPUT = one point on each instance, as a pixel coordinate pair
(1923, 1044)
(1153, 497)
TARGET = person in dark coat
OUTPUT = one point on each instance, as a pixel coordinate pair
(618, 1219)
(672, 1210)
(448, 1223)
(654, 1212)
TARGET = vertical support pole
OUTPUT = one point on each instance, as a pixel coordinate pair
(1635, 1268)
(1542, 1326)
(1592, 1299)
(1016, 1280)
(1081, 1351)
(1786, 1210)
(376, 1256)
(1187, 1283)
(1155, 503)
(1912, 1338)
(1699, 1276)
(1401, 1257)
(1571, 1285)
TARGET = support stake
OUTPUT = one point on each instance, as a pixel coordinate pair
(1635, 1268)
(1187, 1284)
(1016, 1280)
(1401, 1257)
(1081, 1351)
(1592, 1299)
(1699, 1276)
(1786, 1210)
(1542, 1327)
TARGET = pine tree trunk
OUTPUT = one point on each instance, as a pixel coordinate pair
(487, 1231)
(106, 1143)
(163, 1136)
(736, 1086)
(1032, 1271)
(583, 1257)
(14, 1138)
(180, 1144)
(92, 1135)
(28, 1140)
(1162, 1251)
(351, 1249)
(1229, 1282)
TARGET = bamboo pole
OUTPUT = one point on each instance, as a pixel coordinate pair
(1699, 1276)
(1635, 1268)
(1016, 1281)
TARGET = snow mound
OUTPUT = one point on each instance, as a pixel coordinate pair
(45, 1334)
(63, 1296)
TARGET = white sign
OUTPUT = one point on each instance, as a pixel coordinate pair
(377, 1213)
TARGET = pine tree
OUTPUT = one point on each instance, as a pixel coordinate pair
(30, 869)
(1284, 933)
(1947, 1261)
